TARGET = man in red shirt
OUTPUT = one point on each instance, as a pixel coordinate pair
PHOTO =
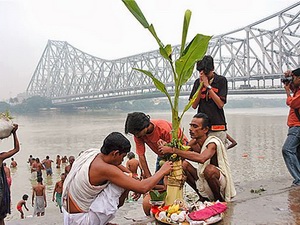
(292, 143)
(148, 132)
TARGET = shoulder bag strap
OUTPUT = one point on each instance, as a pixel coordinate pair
(297, 113)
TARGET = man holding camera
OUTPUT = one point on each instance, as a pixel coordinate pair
(212, 97)
(292, 142)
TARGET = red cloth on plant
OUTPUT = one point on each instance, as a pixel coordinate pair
(208, 212)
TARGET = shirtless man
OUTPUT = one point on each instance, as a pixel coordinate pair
(39, 194)
(96, 187)
(58, 161)
(58, 190)
(68, 167)
(39, 167)
(133, 164)
(48, 165)
(64, 159)
(7, 173)
(33, 165)
(13, 163)
(211, 179)
(30, 160)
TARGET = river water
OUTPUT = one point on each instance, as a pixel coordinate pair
(260, 134)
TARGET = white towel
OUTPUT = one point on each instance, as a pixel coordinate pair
(77, 182)
(223, 166)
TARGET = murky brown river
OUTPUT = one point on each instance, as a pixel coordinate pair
(260, 134)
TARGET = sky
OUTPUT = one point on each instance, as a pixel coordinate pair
(106, 29)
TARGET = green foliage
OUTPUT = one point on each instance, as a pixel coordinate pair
(183, 67)
(32, 104)
(4, 107)
(6, 115)
(155, 195)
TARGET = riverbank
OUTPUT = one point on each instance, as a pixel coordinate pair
(278, 204)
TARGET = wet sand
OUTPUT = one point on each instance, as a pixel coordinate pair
(278, 204)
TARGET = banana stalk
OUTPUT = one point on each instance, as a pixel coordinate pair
(175, 183)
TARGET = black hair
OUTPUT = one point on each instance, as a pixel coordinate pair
(135, 122)
(25, 197)
(206, 64)
(130, 155)
(115, 141)
(296, 72)
(39, 179)
(205, 119)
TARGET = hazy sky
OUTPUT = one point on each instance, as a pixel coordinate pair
(106, 29)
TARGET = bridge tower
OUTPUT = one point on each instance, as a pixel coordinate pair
(252, 58)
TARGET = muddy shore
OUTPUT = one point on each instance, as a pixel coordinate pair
(278, 204)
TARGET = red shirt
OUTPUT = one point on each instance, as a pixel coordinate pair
(162, 130)
(294, 103)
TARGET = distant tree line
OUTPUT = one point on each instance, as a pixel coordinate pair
(36, 103)
(29, 105)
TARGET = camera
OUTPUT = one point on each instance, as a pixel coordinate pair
(287, 80)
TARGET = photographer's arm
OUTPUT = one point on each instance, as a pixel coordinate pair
(287, 89)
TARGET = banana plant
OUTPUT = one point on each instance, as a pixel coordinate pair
(182, 68)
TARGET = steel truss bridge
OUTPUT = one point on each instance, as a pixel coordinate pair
(252, 58)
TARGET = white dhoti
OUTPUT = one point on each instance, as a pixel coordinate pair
(39, 206)
(101, 211)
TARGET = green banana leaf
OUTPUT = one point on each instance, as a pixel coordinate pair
(186, 23)
(193, 52)
(158, 84)
(182, 68)
(166, 52)
(185, 76)
(136, 12)
(153, 32)
(191, 101)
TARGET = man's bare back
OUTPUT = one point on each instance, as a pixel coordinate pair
(39, 189)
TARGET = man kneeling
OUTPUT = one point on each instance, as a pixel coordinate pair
(212, 179)
(96, 187)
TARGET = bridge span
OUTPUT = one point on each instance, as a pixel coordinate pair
(252, 58)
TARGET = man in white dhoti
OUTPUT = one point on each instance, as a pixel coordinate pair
(212, 179)
(96, 186)
(39, 194)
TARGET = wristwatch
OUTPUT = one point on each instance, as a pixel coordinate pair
(208, 87)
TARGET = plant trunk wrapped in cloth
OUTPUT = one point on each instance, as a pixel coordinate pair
(182, 69)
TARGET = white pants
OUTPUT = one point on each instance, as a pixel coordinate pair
(101, 211)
